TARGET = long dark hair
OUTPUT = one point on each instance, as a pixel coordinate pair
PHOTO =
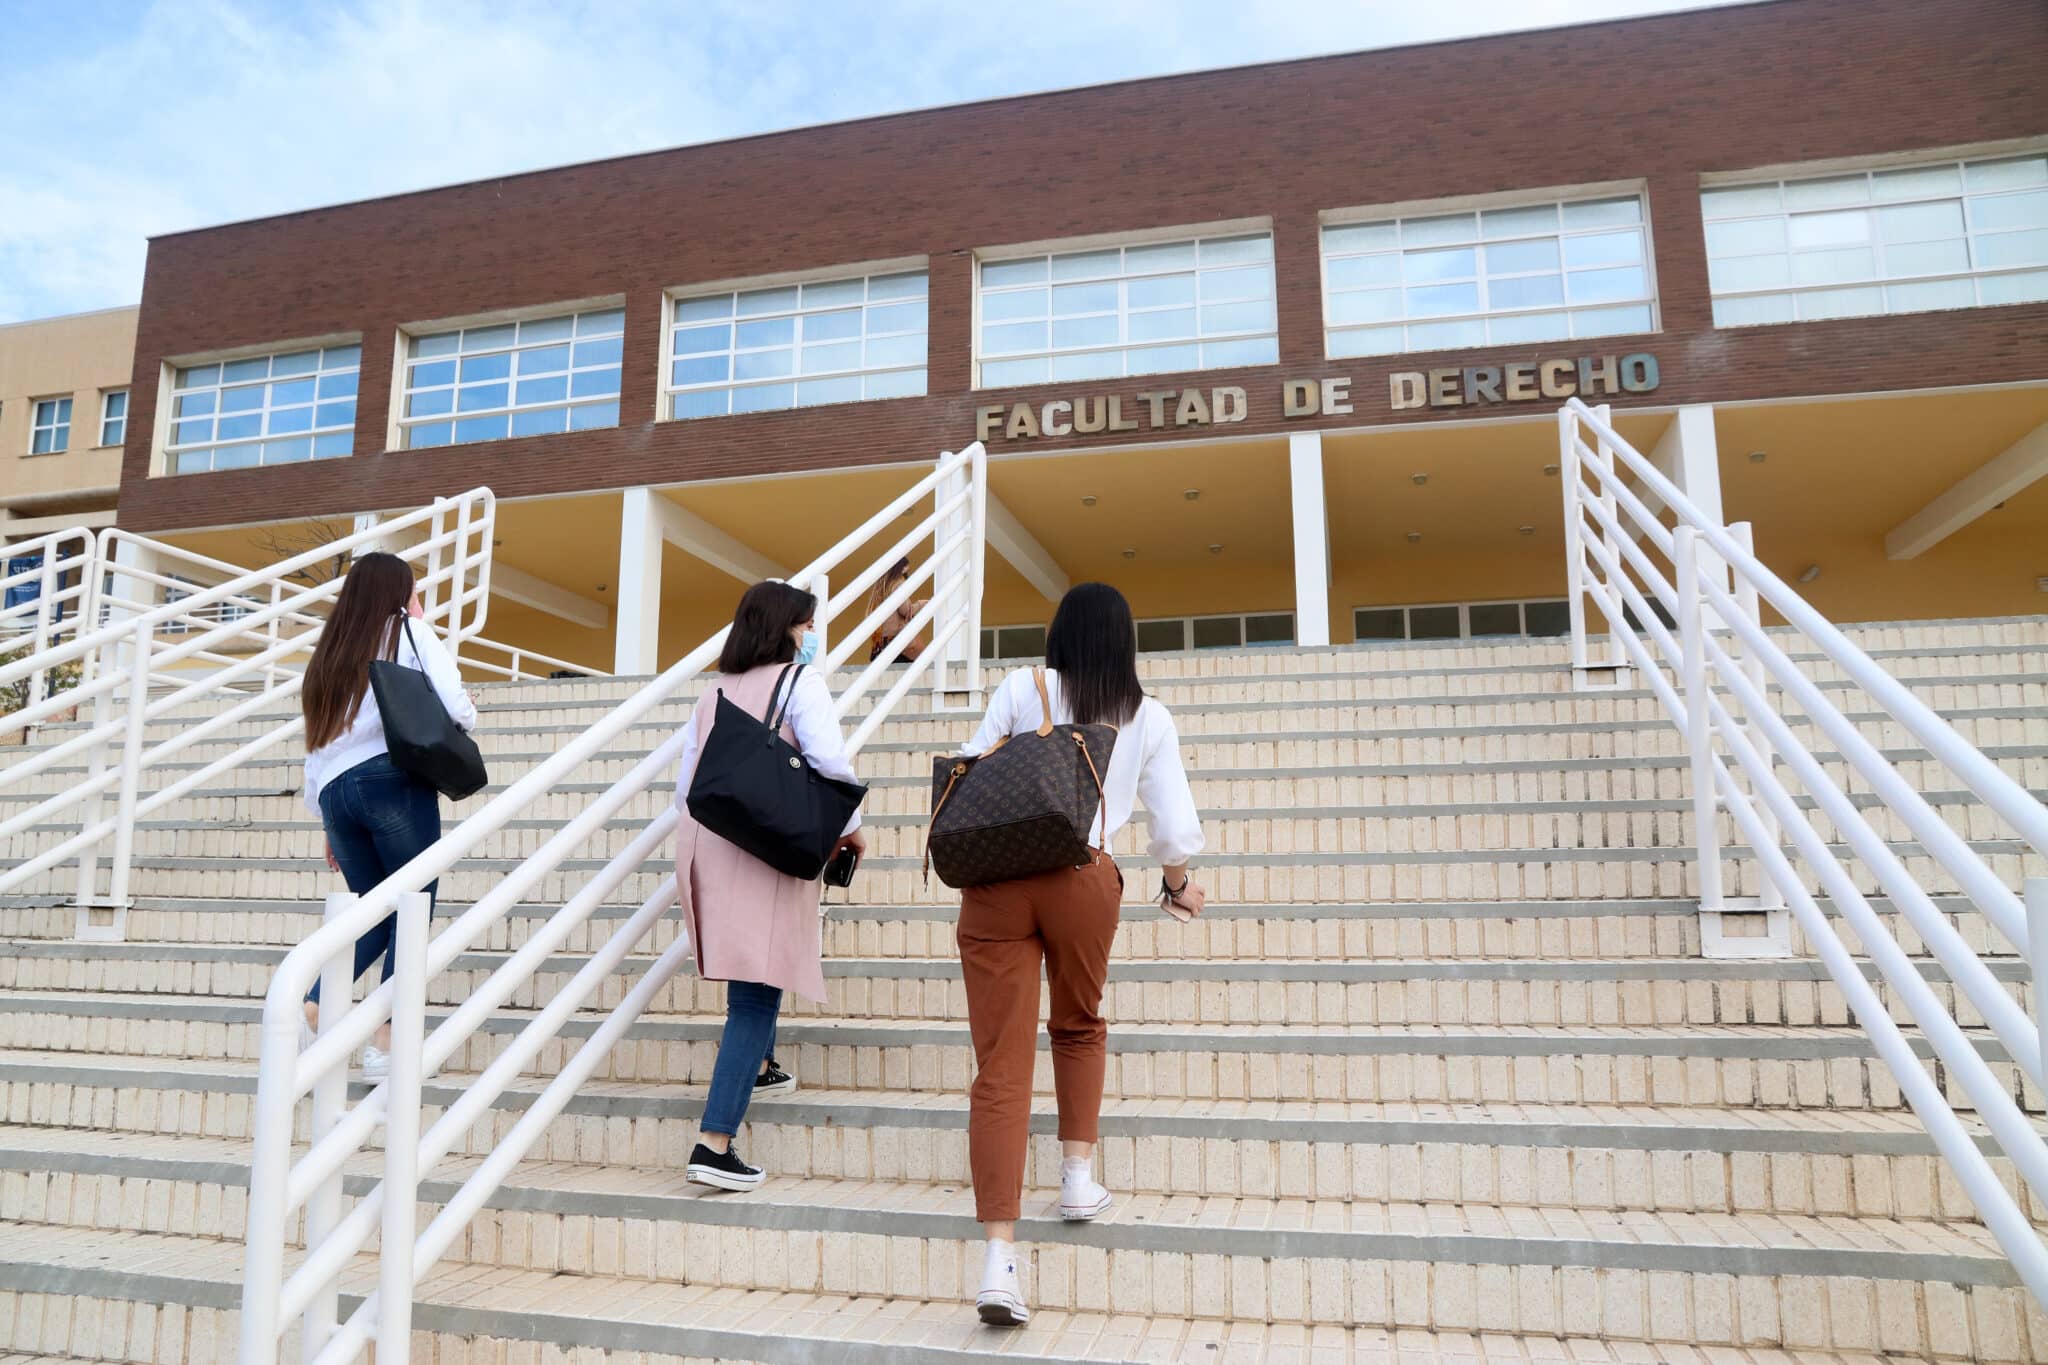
(362, 627)
(760, 628)
(1093, 645)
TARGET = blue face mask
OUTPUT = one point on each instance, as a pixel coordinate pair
(807, 649)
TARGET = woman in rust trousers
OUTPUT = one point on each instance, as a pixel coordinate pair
(1066, 920)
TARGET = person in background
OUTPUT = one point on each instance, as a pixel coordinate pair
(376, 817)
(1066, 919)
(750, 926)
(893, 626)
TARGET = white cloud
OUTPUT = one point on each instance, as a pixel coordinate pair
(206, 111)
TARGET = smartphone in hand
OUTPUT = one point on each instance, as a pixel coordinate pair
(839, 872)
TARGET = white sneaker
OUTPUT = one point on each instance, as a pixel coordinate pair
(1001, 1300)
(1081, 1198)
(376, 1063)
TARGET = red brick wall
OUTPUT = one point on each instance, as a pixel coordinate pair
(1662, 100)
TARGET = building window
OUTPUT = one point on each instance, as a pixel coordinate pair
(113, 417)
(527, 378)
(1488, 277)
(1013, 642)
(1947, 234)
(1539, 619)
(1161, 634)
(265, 409)
(797, 345)
(1199, 304)
(50, 432)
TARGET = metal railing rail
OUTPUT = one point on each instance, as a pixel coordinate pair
(149, 658)
(31, 628)
(1712, 672)
(274, 1293)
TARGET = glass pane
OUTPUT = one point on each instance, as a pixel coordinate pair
(1525, 291)
(1739, 201)
(1092, 365)
(1420, 267)
(1161, 359)
(601, 324)
(1366, 341)
(912, 285)
(544, 360)
(237, 371)
(431, 375)
(333, 444)
(1547, 618)
(1495, 618)
(902, 350)
(237, 428)
(432, 403)
(1361, 237)
(1070, 333)
(1147, 260)
(2013, 248)
(481, 428)
(298, 362)
(757, 301)
(590, 416)
(290, 420)
(834, 293)
(896, 317)
(490, 338)
(695, 340)
(195, 404)
(1366, 305)
(839, 355)
(770, 332)
(710, 403)
(594, 383)
(703, 369)
(2010, 210)
(1916, 182)
(845, 390)
(1750, 272)
(1929, 294)
(1514, 258)
(1354, 272)
(1020, 642)
(1236, 317)
(482, 397)
(1235, 250)
(605, 351)
(1455, 227)
(498, 366)
(1518, 222)
(2031, 287)
(1021, 303)
(1379, 623)
(1750, 311)
(537, 330)
(1165, 291)
(288, 452)
(433, 434)
(1436, 300)
(442, 344)
(999, 372)
(1528, 327)
(1841, 303)
(1830, 229)
(1273, 629)
(1834, 267)
(1599, 322)
(1156, 636)
(541, 422)
(1604, 248)
(292, 391)
(339, 385)
(1432, 623)
(199, 375)
(237, 457)
(1599, 286)
(2017, 173)
(1251, 351)
(1013, 336)
(763, 364)
(335, 414)
(1927, 258)
(1746, 237)
(1596, 213)
(897, 384)
(1084, 298)
(1431, 336)
(1244, 282)
(1832, 192)
(703, 310)
(831, 326)
(550, 389)
(1218, 632)
(1028, 271)
(1920, 222)
(1083, 265)
(763, 397)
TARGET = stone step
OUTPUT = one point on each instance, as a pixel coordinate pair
(1193, 992)
(137, 1295)
(1608, 1157)
(1300, 1261)
(1739, 1066)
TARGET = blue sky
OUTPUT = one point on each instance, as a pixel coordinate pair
(151, 116)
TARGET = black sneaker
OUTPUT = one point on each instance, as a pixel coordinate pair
(774, 1081)
(722, 1170)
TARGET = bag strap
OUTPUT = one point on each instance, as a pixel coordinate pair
(770, 717)
(1101, 798)
(405, 624)
(1044, 703)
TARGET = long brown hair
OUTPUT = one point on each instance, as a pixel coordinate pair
(760, 628)
(363, 627)
(888, 582)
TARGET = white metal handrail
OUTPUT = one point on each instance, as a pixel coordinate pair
(280, 1185)
(32, 627)
(148, 658)
(1713, 678)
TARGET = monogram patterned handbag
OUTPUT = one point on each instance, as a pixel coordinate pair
(1022, 808)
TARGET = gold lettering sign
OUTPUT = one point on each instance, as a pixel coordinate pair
(1529, 381)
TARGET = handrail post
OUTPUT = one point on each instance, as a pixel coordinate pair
(1771, 894)
(1575, 568)
(977, 550)
(1617, 653)
(46, 584)
(330, 1098)
(2037, 955)
(270, 636)
(821, 588)
(402, 1129)
(1699, 724)
(88, 896)
(131, 767)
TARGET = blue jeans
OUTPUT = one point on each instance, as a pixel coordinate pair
(750, 1010)
(377, 819)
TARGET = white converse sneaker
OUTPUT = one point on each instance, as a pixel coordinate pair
(1001, 1300)
(376, 1063)
(1081, 1198)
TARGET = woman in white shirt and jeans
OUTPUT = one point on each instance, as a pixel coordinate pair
(1067, 919)
(376, 817)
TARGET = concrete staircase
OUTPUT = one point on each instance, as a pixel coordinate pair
(1440, 1076)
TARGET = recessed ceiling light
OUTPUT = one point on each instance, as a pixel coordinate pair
(1130, 554)
(1087, 499)
(1418, 479)
(1809, 573)
(1414, 536)
(1526, 530)
(1191, 493)
(1759, 456)
(1215, 549)
(1550, 471)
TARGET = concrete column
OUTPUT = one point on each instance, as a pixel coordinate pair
(1311, 539)
(636, 648)
(1689, 457)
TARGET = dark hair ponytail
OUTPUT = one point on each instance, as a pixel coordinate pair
(1093, 645)
(760, 628)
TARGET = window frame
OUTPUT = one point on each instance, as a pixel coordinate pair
(107, 397)
(1194, 233)
(1556, 196)
(162, 449)
(1243, 619)
(1464, 610)
(1777, 178)
(666, 390)
(59, 427)
(399, 425)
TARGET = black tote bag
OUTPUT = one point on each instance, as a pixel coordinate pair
(755, 790)
(423, 740)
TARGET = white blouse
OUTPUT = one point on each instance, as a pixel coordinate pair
(364, 739)
(1144, 766)
(810, 718)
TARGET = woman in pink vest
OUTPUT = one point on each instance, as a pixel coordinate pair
(750, 926)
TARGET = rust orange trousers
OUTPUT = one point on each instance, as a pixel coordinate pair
(1065, 919)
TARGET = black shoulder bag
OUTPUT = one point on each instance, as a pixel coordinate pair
(423, 740)
(754, 789)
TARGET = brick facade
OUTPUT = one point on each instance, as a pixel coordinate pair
(1661, 100)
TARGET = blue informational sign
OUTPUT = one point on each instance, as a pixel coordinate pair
(28, 590)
